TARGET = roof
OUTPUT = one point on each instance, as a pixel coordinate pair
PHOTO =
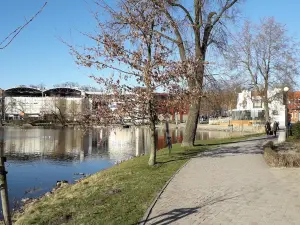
(23, 91)
(63, 91)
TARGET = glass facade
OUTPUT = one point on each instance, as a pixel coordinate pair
(248, 114)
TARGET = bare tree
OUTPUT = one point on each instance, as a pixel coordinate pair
(67, 85)
(60, 110)
(40, 86)
(267, 56)
(221, 97)
(193, 29)
(11, 36)
(88, 88)
(74, 110)
(55, 108)
(12, 105)
(70, 84)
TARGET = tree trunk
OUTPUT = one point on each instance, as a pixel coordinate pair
(194, 110)
(191, 125)
(152, 158)
(197, 81)
(266, 107)
(265, 99)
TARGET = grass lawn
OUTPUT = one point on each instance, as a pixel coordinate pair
(118, 195)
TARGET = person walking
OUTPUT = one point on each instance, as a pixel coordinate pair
(268, 127)
(274, 128)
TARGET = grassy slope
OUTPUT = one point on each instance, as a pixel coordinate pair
(118, 195)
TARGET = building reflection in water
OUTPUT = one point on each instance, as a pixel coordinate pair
(73, 144)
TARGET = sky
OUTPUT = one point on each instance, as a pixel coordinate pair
(37, 55)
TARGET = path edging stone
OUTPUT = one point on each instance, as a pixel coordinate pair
(145, 218)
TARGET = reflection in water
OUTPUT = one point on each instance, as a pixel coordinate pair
(73, 144)
(39, 157)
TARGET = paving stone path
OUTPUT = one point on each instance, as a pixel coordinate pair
(230, 185)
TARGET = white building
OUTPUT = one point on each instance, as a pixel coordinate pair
(250, 106)
(32, 102)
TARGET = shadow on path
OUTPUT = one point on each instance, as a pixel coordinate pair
(172, 216)
(246, 147)
(234, 142)
(251, 146)
(177, 214)
(233, 150)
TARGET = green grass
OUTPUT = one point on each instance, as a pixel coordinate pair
(118, 195)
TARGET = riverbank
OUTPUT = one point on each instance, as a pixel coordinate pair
(119, 195)
(208, 127)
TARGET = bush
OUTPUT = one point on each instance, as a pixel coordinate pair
(275, 159)
(296, 130)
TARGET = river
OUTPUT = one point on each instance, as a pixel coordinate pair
(37, 158)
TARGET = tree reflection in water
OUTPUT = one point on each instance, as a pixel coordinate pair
(74, 144)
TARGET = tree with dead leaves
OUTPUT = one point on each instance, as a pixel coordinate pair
(140, 64)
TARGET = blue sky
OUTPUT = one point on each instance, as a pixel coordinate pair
(38, 56)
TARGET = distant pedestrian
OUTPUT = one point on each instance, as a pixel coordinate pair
(290, 128)
(169, 142)
(268, 127)
(274, 128)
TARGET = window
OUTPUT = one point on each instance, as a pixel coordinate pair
(275, 112)
(257, 104)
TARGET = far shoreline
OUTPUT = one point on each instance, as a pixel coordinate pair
(206, 127)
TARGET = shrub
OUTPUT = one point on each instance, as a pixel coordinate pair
(296, 130)
(275, 159)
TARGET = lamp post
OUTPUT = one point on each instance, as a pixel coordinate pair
(286, 89)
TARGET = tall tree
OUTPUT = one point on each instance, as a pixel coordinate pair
(267, 56)
(127, 46)
(193, 28)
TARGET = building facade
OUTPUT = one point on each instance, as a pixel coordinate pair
(250, 107)
(24, 102)
(294, 106)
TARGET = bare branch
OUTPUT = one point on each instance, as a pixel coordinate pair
(187, 13)
(166, 37)
(15, 33)
(227, 6)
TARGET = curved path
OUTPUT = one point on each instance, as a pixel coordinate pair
(230, 185)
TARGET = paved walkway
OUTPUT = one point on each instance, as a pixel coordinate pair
(231, 185)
